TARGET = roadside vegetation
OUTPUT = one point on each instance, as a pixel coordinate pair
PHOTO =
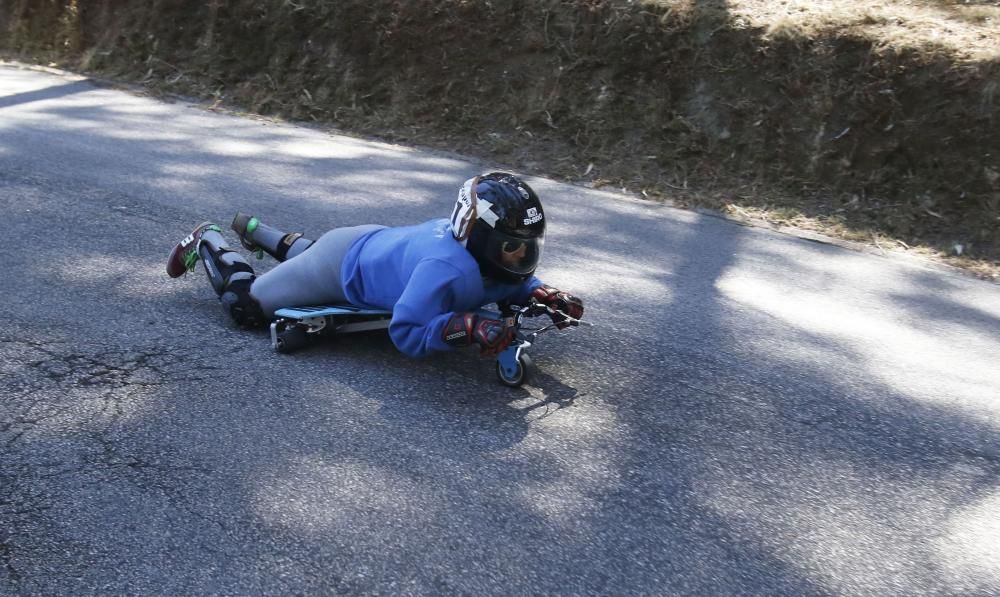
(872, 122)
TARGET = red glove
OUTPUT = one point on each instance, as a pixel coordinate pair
(492, 335)
(560, 301)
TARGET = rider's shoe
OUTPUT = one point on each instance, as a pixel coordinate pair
(183, 257)
(244, 226)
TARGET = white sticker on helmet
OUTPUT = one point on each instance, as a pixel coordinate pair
(486, 214)
(533, 216)
(465, 210)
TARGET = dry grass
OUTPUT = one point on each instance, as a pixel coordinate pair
(967, 29)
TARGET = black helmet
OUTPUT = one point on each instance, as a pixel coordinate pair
(500, 220)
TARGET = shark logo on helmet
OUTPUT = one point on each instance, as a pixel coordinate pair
(533, 216)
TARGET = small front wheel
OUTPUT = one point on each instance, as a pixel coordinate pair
(290, 339)
(517, 374)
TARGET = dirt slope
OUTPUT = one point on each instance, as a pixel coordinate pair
(855, 120)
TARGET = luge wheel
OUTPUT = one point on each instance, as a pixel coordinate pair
(518, 376)
(291, 339)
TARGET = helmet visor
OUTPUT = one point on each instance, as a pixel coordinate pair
(515, 255)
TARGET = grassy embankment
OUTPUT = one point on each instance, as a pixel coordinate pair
(871, 123)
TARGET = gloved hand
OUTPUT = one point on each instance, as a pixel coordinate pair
(560, 301)
(492, 335)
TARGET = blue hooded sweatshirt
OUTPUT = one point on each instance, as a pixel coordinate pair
(424, 276)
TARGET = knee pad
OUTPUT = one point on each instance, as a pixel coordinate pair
(222, 265)
(239, 304)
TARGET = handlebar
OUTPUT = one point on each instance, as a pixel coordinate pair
(536, 309)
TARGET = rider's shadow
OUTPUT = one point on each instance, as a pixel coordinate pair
(482, 416)
(550, 394)
(469, 410)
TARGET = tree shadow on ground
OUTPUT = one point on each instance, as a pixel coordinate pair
(700, 445)
(54, 92)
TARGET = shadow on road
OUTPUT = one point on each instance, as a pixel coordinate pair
(47, 93)
(691, 443)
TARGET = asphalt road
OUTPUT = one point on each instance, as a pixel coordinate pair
(752, 414)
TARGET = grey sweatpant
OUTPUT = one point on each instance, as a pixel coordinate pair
(311, 277)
